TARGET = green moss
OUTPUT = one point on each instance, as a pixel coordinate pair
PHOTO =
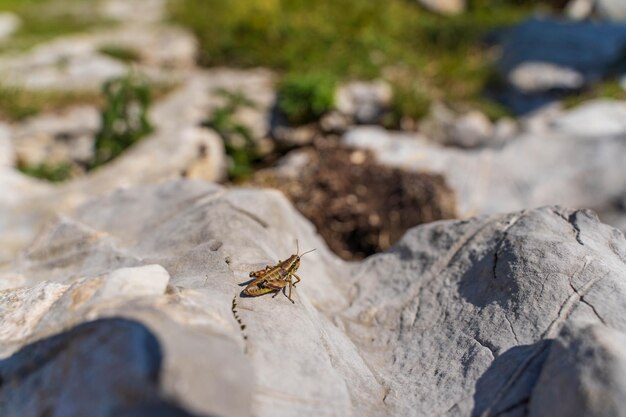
(49, 172)
(120, 52)
(303, 98)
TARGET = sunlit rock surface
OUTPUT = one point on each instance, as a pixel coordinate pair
(459, 318)
(566, 159)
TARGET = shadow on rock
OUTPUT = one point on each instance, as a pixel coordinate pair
(107, 367)
(489, 280)
(505, 387)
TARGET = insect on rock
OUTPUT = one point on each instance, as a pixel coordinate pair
(276, 278)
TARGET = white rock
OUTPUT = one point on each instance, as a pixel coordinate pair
(363, 101)
(445, 7)
(63, 137)
(579, 9)
(531, 170)
(594, 118)
(21, 309)
(472, 318)
(470, 130)
(532, 77)
(611, 9)
(149, 280)
(7, 153)
(142, 11)
(9, 24)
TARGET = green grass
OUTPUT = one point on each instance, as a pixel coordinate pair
(120, 52)
(124, 117)
(49, 172)
(17, 104)
(443, 58)
(43, 20)
(303, 98)
(608, 89)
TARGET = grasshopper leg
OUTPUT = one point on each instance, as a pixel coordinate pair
(289, 296)
(297, 277)
(280, 285)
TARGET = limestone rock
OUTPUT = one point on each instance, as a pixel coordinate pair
(579, 9)
(140, 11)
(536, 77)
(466, 329)
(64, 137)
(365, 102)
(532, 169)
(445, 7)
(207, 239)
(7, 152)
(123, 355)
(611, 10)
(9, 23)
(460, 318)
(467, 130)
(584, 374)
(76, 63)
(600, 117)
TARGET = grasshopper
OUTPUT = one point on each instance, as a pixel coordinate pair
(276, 278)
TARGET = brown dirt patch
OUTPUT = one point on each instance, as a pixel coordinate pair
(359, 206)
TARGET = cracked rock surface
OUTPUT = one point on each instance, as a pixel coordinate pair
(496, 315)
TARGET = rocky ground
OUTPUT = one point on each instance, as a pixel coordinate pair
(121, 289)
(487, 316)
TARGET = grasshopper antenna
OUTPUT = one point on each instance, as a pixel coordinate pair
(309, 251)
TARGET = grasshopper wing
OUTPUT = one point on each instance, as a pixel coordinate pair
(260, 272)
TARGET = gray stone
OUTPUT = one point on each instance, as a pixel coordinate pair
(467, 130)
(180, 146)
(207, 239)
(584, 374)
(363, 101)
(139, 11)
(124, 355)
(600, 117)
(579, 9)
(532, 77)
(531, 170)
(75, 63)
(63, 137)
(611, 9)
(459, 314)
(9, 23)
(7, 152)
(471, 130)
(456, 319)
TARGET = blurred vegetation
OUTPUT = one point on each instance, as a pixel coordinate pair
(239, 143)
(303, 98)
(46, 19)
(610, 89)
(47, 171)
(120, 52)
(124, 117)
(18, 103)
(444, 57)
